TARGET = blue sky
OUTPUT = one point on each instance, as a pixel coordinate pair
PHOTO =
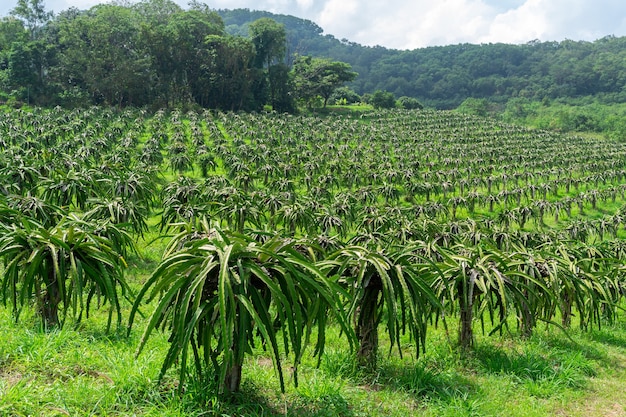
(413, 24)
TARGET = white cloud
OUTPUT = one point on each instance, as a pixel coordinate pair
(525, 23)
(558, 20)
(407, 25)
(339, 14)
(305, 4)
(400, 24)
(417, 23)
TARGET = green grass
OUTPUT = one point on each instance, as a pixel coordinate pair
(85, 371)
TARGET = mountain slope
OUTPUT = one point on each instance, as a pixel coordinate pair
(444, 76)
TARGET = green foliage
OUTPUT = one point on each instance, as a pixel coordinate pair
(390, 219)
(577, 116)
(269, 39)
(82, 371)
(11, 30)
(154, 53)
(383, 100)
(318, 77)
(230, 83)
(33, 13)
(91, 43)
(409, 103)
(345, 95)
(281, 88)
(218, 290)
(444, 76)
(65, 267)
(393, 288)
(474, 106)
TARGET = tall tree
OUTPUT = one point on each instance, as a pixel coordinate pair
(270, 40)
(101, 52)
(33, 13)
(23, 52)
(187, 32)
(281, 86)
(227, 81)
(11, 30)
(160, 39)
(315, 77)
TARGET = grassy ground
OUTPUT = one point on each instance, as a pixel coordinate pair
(84, 371)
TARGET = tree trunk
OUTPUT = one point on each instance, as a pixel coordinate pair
(528, 319)
(50, 301)
(241, 222)
(367, 325)
(466, 313)
(566, 310)
(466, 333)
(232, 382)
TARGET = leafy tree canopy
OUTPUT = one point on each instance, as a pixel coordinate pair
(444, 76)
(269, 39)
(383, 100)
(315, 77)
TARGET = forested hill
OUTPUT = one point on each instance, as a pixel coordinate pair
(155, 53)
(444, 76)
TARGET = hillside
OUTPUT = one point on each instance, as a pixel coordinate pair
(444, 76)
(163, 56)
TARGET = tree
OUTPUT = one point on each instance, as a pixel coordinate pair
(281, 98)
(101, 52)
(383, 100)
(383, 286)
(160, 35)
(11, 30)
(272, 79)
(33, 13)
(188, 53)
(474, 106)
(481, 279)
(228, 82)
(345, 95)
(409, 103)
(26, 53)
(315, 77)
(270, 41)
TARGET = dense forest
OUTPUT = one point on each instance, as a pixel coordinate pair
(157, 54)
(444, 76)
(154, 53)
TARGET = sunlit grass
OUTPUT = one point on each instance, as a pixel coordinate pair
(86, 371)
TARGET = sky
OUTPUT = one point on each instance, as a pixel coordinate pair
(410, 24)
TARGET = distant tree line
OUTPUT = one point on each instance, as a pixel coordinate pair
(444, 76)
(154, 53)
